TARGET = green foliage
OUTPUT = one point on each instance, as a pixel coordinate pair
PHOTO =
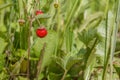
(2, 62)
(5, 5)
(3, 45)
(80, 45)
(87, 35)
(50, 41)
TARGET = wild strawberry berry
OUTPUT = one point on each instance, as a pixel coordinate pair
(41, 32)
(21, 22)
(56, 5)
(39, 12)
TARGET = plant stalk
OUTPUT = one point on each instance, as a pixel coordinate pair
(63, 77)
(29, 44)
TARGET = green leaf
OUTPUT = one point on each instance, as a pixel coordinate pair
(3, 28)
(72, 61)
(90, 19)
(21, 53)
(23, 66)
(3, 76)
(22, 78)
(90, 60)
(3, 44)
(67, 62)
(2, 61)
(87, 35)
(5, 5)
(59, 61)
(69, 40)
(90, 64)
(16, 66)
(75, 69)
(100, 48)
(53, 76)
(40, 77)
(117, 70)
(21, 8)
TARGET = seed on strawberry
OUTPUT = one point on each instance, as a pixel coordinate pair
(41, 32)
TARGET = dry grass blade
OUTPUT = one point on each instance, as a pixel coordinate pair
(40, 60)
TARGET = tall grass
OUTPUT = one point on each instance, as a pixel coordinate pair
(80, 45)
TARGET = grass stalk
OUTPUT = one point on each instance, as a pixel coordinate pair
(106, 42)
(29, 44)
(63, 77)
(113, 42)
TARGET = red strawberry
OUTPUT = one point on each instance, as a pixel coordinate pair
(41, 32)
(39, 12)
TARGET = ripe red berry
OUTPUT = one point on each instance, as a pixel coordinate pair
(39, 12)
(41, 32)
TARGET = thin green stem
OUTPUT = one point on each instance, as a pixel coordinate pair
(113, 43)
(29, 44)
(66, 31)
(58, 29)
(88, 53)
(63, 77)
(106, 41)
(71, 14)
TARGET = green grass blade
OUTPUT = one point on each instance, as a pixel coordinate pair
(5, 6)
